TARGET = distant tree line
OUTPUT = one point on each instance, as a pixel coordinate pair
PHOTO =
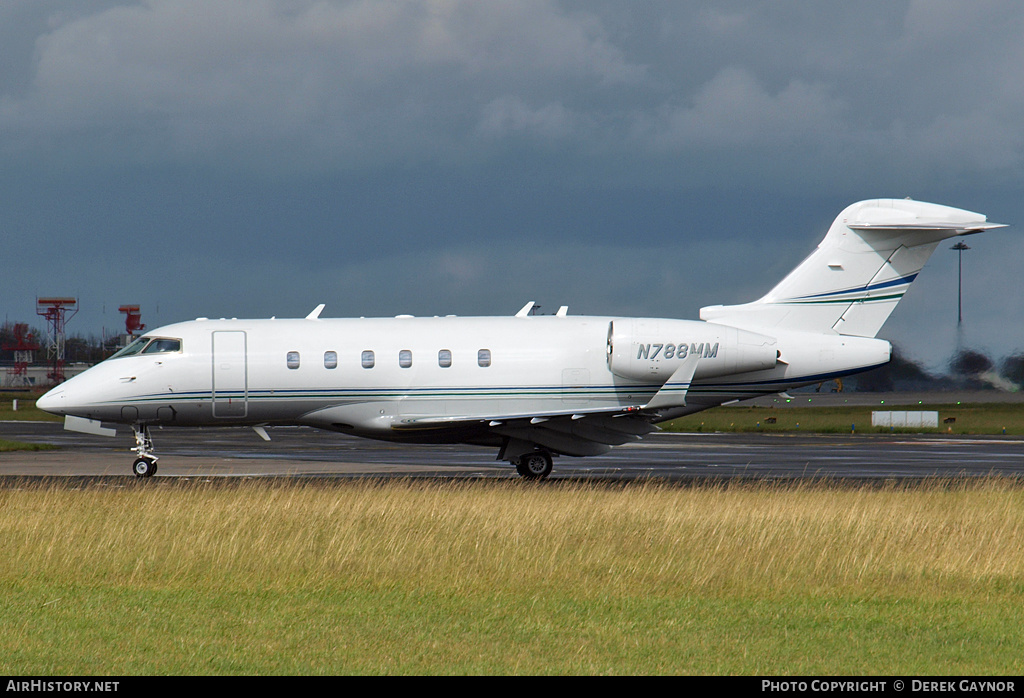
(77, 349)
(968, 369)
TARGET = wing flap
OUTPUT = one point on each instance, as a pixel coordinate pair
(577, 433)
(497, 419)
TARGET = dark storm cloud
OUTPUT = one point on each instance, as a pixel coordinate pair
(258, 157)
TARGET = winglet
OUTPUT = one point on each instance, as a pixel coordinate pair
(315, 315)
(673, 393)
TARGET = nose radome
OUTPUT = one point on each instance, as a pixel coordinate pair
(52, 401)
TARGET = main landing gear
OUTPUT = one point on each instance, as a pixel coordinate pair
(145, 464)
(535, 465)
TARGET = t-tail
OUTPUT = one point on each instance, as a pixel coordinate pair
(853, 280)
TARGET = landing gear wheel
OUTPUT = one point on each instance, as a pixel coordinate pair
(535, 465)
(144, 467)
(145, 464)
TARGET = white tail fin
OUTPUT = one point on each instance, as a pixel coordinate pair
(859, 272)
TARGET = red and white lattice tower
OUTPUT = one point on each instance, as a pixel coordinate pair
(23, 346)
(57, 311)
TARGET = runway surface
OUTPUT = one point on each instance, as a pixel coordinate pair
(302, 452)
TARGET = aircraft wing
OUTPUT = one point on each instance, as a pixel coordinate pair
(586, 432)
(574, 433)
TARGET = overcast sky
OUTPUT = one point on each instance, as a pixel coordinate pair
(250, 158)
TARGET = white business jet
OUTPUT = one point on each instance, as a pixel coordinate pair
(532, 386)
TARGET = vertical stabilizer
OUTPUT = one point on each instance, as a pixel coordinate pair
(853, 280)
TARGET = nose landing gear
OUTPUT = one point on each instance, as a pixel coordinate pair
(145, 464)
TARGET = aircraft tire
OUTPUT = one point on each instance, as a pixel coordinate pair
(143, 467)
(535, 465)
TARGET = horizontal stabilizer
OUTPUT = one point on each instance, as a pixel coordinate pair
(952, 228)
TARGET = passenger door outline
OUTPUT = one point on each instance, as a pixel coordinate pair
(230, 387)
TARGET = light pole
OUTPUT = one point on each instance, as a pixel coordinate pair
(959, 247)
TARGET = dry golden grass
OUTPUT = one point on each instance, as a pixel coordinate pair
(473, 537)
(511, 578)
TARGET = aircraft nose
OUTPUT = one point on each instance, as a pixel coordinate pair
(52, 401)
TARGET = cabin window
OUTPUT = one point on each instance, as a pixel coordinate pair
(330, 359)
(405, 358)
(293, 359)
(367, 359)
(483, 358)
(444, 358)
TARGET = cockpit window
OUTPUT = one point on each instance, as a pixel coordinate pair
(133, 348)
(149, 345)
(162, 345)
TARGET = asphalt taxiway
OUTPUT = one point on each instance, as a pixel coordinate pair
(303, 452)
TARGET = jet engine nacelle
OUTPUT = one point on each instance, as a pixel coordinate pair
(652, 349)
